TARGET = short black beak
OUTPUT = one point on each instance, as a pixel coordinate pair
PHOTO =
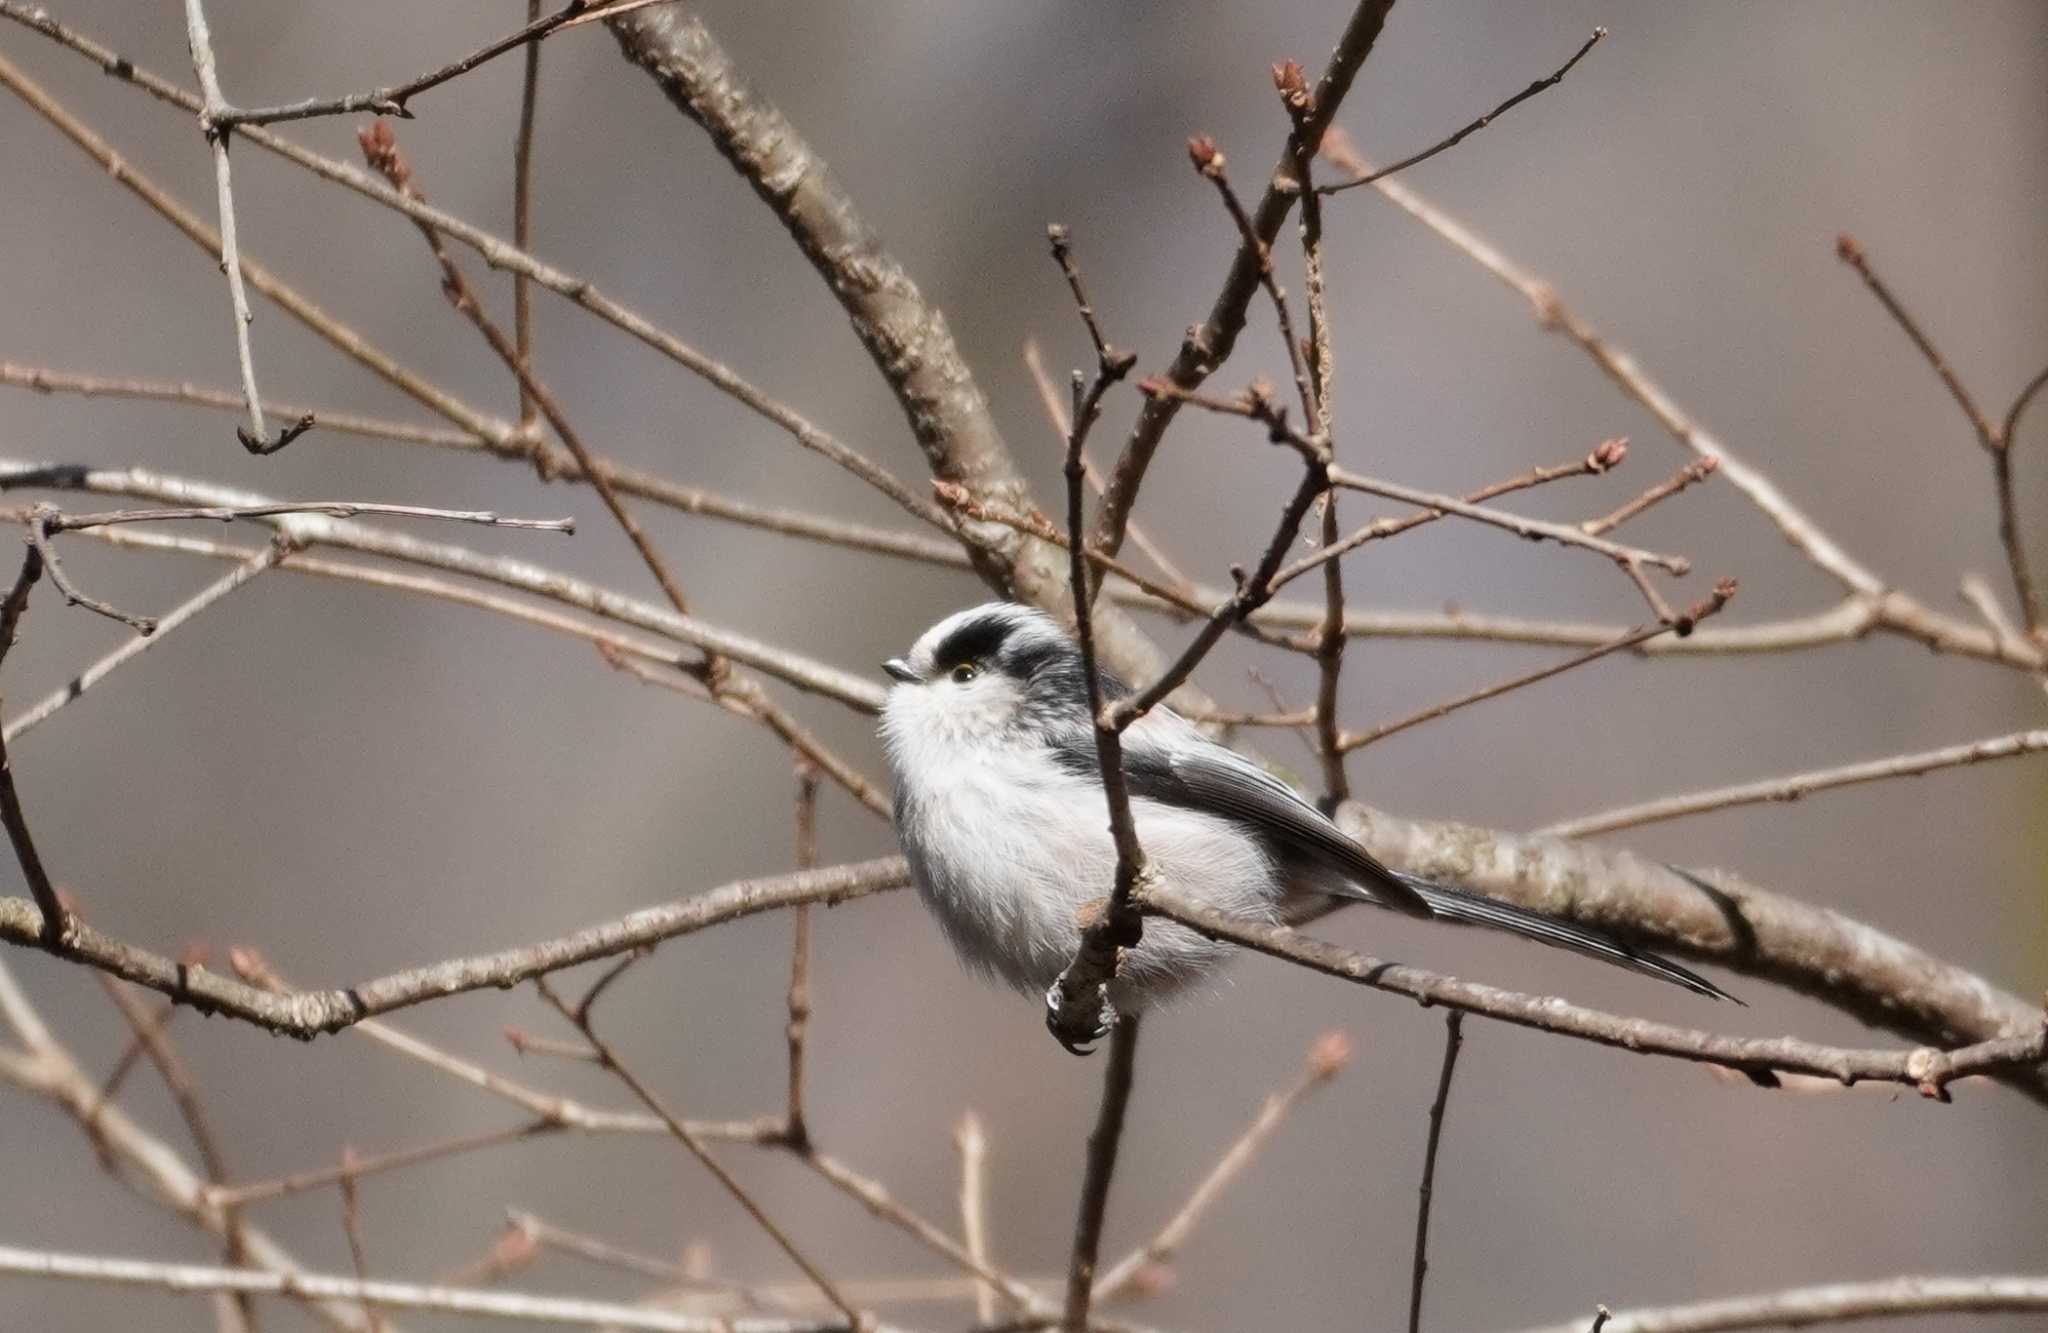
(900, 670)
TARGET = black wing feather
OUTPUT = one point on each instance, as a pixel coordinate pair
(1220, 783)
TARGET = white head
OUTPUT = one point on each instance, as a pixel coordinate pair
(982, 672)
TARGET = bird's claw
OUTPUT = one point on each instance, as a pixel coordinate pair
(1063, 1017)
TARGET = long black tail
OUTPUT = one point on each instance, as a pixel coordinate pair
(1448, 904)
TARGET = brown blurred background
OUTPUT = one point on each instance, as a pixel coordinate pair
(357, 782)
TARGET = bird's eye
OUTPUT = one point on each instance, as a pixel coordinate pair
(965, 672)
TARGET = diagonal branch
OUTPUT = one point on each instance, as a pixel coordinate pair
(1210, 343)
(904, 333)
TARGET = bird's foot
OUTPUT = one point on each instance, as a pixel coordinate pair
(1078, 1020)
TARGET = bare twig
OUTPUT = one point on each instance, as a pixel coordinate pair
(16, 603)
(1833, 1303)
(160, 1172)
(1454, 1040)
(303, 1286)
(1101, 1169)
(62, 522)
(1078, 1008)
(47, 922)
(858, 692)
(1996, 441)
(522, 216)
(1056, 414)
(1723, 592)
(267, 558)
(1602, 459)
(1477, 125)
(1530, 528)
(579, 1016)
(311, 1013)
(497, 252)
(1326, 1059)
(972, 1141)
(1209, 344)
(1797, 785)
(44, 380)
(1696, 471)
(353, 1168)
(392, 101)
(799, 999)
(39, 538)
(257, 438)
(905, 336)
(352, 1229)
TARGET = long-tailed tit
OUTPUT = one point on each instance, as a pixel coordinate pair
(1000, 811)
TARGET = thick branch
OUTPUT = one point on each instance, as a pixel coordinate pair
(905, 334)
(1717, 917)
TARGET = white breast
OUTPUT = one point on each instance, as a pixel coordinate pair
(1007, 849)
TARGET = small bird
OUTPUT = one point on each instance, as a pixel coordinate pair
(1000, 811)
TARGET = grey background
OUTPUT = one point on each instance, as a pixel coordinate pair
(357, 782)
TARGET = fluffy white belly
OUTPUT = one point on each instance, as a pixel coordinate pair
(1008, 850)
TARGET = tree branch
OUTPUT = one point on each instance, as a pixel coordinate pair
(1834, 1303)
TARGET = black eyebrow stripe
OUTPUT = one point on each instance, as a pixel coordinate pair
(976, 641)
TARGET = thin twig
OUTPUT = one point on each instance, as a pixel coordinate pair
(39, 538)
(269, 557)
(522, 216)
(799, 999)
(392, 101)
(256, 439)
(1723, 592)
(1056, 414)
(1454, 1040)
(352, 1229)
(52, 925)
(1326, 1059)
(41, 379)
(1793, 787)
(972, 1140)
(1831, 1303)
(353, 1167)
(858, 692)
(62, 522)
(579, 1016)
(1209, 344)
(304, 1286)
(311, 1013)
(1330, 639)
(1603, 458)
(497, 252)
(1078, 1008)
(1996, 441)
(1101, 1169)
(1530, 528)
(1696, 471)
(16, 603)
(1477, 125)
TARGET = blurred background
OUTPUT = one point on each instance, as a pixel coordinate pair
(356, 782)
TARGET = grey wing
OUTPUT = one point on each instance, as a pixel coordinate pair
(1200, 775)
(1196, 774)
